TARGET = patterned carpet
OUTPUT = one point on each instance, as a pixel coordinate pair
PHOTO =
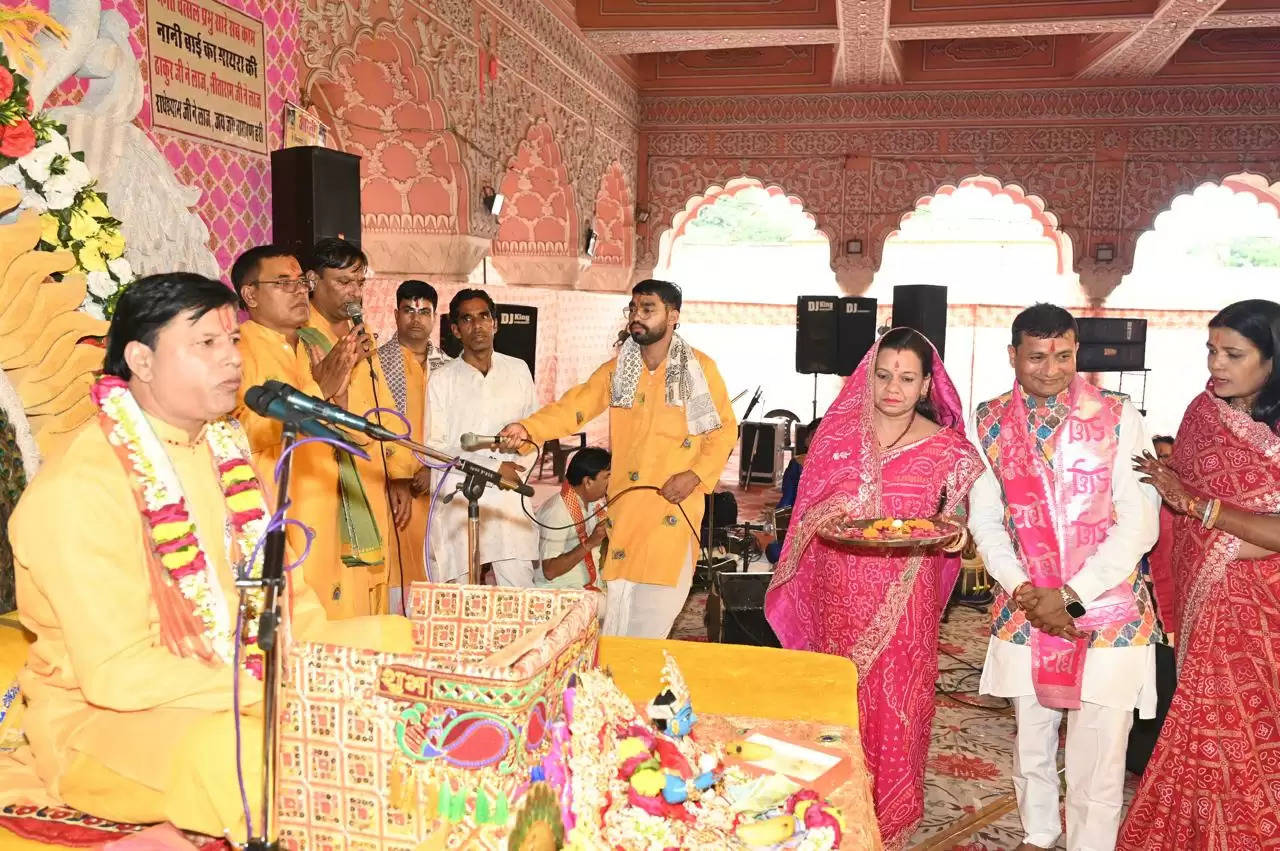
(969, 803)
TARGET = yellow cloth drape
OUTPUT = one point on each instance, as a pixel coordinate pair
(118, 726)
(649, 539)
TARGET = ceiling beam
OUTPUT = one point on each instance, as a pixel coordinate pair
(866, 56)
(1013, 29)
(1231, 20)
(673, 40)
(1147, 50)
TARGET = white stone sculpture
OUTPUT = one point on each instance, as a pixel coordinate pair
(162, 233)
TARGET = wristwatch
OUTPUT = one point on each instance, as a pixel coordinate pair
(1072, 603)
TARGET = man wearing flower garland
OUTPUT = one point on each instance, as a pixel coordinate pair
(273, 289)
(375, 497)
(126, 549)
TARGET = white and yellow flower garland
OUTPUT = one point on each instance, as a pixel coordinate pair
(170, 527)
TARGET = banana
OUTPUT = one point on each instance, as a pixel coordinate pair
(767, 832)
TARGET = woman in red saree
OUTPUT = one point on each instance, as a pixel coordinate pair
(891, 445)
(1213, 783)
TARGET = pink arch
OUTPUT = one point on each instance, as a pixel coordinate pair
(713, 194)
(1048, 221)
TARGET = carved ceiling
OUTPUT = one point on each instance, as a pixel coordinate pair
(758, 46)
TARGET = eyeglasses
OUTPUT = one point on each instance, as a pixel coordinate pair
(646, 311)
(287, 285)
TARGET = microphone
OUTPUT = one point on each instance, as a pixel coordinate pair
(354, 312)
(262, 401)
(476, 442)
(309, 406)
(622, 337)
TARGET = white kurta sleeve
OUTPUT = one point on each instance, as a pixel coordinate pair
(438, 436)
(986, 524)
(1137, 510)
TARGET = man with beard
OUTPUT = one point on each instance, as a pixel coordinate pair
(273, 289)
(478, 393)
(671, 430)
(407, 361)
(374, 498)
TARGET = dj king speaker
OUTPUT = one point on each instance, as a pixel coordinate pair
(855, 332)
(817, 334)
(924, 308)
(315, 193)
(738, 614)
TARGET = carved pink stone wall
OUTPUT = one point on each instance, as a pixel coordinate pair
(540, 216)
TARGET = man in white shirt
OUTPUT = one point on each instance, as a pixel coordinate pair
(571, 525)
(479, 392)
(1062, 522)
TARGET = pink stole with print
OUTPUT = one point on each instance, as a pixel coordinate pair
(1059, 518)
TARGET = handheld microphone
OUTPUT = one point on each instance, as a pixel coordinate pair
(476, 442)
(354, 312)
(297, 401)
(622, 337)
(262, 401)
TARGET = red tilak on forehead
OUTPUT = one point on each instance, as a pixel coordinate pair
(227, 318)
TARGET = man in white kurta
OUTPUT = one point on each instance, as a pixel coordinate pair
(1119, 664)
(479, 392)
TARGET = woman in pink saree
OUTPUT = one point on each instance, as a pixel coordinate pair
(891, 445)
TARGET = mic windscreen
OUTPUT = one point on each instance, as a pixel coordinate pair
(354, 312)
(257, 398)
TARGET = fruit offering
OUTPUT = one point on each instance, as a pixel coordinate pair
(890, 531)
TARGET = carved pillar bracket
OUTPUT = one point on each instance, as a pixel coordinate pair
(540, 271)
(1099, 279)
(854, 274)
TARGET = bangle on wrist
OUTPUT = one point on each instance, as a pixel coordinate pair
(1212, 512)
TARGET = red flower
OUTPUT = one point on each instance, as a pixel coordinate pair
(964, 766)
(17, 140)
(6, 83)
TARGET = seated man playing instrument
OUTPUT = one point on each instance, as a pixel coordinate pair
(126, 549)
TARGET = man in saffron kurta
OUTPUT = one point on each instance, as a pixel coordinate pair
(123, 721)
(1062, 521)
(406, 361)
(273, 289)
(672, 429)
(376, 508)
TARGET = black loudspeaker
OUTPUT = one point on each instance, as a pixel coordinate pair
(855, 333)
(517, 334)
(924, 308)
(760, 456)
(739, 618)
(1096, 330)
(1111, 357)
(817, 334)
(315, 193)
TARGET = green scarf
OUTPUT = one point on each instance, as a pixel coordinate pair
(361, 541)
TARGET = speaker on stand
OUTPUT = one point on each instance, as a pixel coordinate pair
(315, 193)
(855, 333)
(924, 308)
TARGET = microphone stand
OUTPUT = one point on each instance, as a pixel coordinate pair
(273, 582)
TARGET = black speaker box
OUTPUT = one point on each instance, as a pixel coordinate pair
(1098, 330)
(855, 332)
(517, 334)
(1111, 357)
(817, 334)
(315, 193)
(761, 449)
(740, 616)
(924, 308)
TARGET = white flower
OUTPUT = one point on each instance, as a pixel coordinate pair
(92, 308)
(120, 270)
(101, 284)
(37, 163)
(11, 176)
(33, 200)
(77, 172)
(60, 192)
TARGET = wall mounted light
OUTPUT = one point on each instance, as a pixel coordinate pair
(492, 200)
(853, 246)
(1104, 252)
(642, 215)
(591, 243)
